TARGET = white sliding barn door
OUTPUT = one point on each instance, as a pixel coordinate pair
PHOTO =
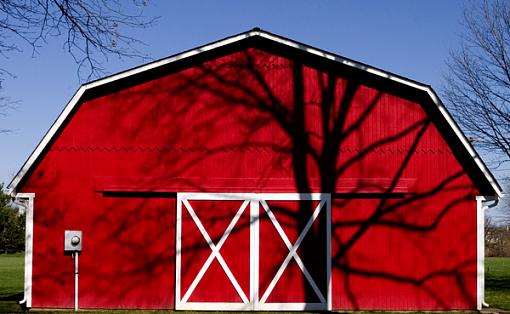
(253, 251)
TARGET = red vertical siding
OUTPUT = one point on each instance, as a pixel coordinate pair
(255, 122)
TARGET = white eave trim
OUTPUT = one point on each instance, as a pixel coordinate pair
(11, 188)
(467, 145)
(75, 99)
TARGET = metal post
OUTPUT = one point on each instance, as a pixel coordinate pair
(75, 281)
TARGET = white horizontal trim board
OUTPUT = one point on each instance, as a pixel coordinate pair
(230, 40)
(224, 306)
(253, 301)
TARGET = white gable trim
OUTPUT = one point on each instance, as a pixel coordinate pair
(11, 188)
(255, 32)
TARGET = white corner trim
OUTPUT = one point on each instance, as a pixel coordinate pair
(75, 99)
(480, 251)
(29, 244)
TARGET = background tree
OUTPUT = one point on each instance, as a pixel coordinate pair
(502, 212)
(497, 239)
(91, 31)
(12, 226)
(477, 88)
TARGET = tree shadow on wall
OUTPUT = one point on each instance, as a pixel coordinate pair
(316, 122)
(397, 191)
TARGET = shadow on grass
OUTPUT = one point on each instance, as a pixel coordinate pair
(498, 284)
(10, 303)
(497, 293)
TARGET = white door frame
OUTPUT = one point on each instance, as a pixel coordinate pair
(253, 301)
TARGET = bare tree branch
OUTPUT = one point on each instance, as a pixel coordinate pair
(477, 86)
(92, 30)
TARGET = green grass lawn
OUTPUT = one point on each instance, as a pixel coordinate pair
(11, 274)
(497, 285)
(497, 282)
(11, 282)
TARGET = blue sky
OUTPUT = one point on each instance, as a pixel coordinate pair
(409, 38)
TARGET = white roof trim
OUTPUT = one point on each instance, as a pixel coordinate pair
(11, 188)
(255, 32)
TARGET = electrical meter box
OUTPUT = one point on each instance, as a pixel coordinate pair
(72, 241)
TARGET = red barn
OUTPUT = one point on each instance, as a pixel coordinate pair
(256, 173)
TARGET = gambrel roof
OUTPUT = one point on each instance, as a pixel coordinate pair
(471, 161)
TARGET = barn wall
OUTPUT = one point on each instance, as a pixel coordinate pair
(128, 244)
(404, 215)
